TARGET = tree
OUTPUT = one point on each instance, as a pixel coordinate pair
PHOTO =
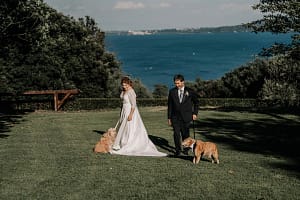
(281, 83)
(280, 16)
(140, 89)
(160, 91)
(43, 49)
(247, 80)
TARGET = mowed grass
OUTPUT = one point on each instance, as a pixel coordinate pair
(48, 155)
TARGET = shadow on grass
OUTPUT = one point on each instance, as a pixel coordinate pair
(274, 136)
(99, 132)
(183, 157)
(162, 143)
(8, 119)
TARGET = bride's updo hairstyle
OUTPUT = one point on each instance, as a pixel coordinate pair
(127, 80)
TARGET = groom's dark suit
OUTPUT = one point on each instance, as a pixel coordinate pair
(181, 114)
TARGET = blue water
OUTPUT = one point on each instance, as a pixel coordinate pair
(155, 59)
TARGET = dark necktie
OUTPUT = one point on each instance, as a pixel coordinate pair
(180, 95)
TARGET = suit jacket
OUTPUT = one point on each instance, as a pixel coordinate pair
(186, 108)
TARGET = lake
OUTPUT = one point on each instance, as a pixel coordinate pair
(156, 58)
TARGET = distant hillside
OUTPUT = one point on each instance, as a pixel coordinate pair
(236, 28)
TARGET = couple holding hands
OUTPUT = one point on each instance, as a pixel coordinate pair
(132, 138)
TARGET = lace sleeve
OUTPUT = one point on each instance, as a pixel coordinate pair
(132, 98)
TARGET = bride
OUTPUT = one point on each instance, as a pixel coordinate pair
(132, 138)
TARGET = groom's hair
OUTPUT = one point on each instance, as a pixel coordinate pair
(178, 77)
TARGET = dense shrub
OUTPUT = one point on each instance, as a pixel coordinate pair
(77, 104)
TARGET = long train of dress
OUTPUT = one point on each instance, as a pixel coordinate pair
(132, 138)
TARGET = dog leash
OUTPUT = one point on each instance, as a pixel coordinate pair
(194, 129)
(117, 124)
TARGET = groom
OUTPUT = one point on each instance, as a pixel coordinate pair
(182, 109)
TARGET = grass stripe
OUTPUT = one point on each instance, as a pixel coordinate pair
(48, 155)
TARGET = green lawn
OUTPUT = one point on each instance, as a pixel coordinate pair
(48, 155)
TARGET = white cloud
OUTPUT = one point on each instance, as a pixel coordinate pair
(164, 5)
(237, 7)
(159, 14)
(128, 5)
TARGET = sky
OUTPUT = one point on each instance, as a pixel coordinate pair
(116, 15)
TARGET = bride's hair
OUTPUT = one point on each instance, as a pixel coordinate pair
(127, 80)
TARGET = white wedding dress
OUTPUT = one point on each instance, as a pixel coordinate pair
(132, 138)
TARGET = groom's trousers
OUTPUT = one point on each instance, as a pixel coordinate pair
(181, 131)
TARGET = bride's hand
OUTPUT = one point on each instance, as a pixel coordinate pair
(129, 117)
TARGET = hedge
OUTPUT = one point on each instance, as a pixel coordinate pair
(107, 103)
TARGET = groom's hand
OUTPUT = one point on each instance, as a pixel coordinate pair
(169, 122)
(194, 117)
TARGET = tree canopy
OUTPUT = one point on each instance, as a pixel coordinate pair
(280, 16)
(43, 49)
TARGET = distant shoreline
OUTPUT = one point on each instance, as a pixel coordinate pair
(221, 29)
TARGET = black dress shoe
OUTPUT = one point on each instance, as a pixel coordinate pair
(177, 153)
(186, 152)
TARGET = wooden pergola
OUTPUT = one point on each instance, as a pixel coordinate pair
(57, 102)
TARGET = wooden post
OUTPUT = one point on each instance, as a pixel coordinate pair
(57, 103)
